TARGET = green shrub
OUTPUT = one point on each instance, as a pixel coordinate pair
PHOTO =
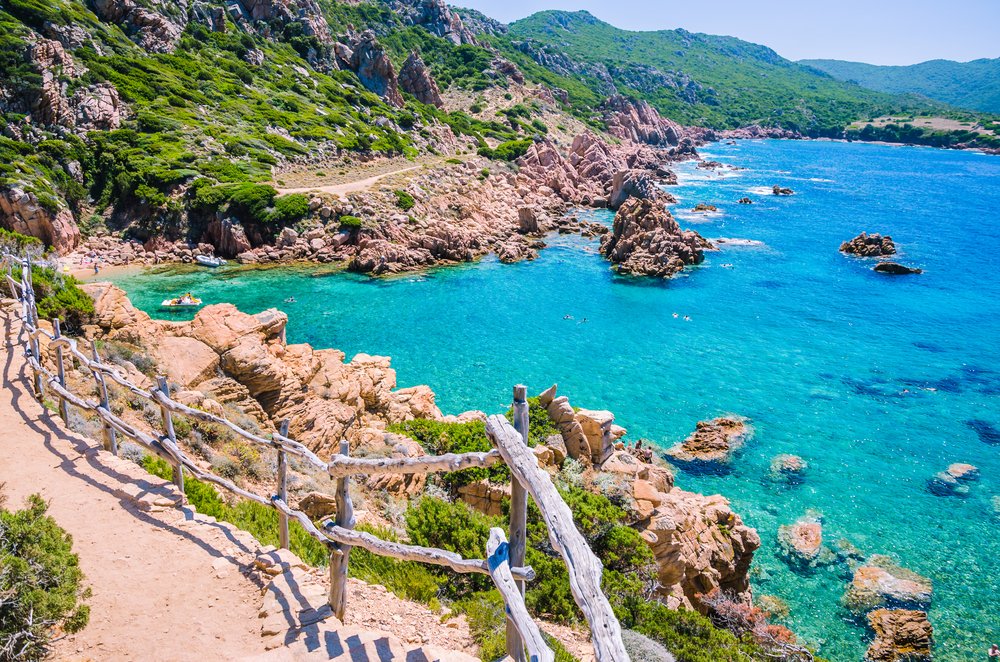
(438, 438)
(59, 296)
(348, 222)
(507, 151)
(40, 582)
(289, 209)
(407, 579)
(456, 528)
(487, 621)
(404, 200)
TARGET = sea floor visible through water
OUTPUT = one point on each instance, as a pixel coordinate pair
(877, 381)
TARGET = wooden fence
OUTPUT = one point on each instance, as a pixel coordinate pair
(505, 558)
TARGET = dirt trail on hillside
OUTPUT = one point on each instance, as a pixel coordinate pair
(162, 589)
(347, 187)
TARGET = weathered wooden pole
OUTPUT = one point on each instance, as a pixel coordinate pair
(283, 488)
(341, 553)
(29, 293)
(168, 425)
(60, 370)
(110, 436)
(518, 520)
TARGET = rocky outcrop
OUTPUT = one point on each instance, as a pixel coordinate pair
(757, 132)
(227, 236)
(700, 545)
(22, 212)
(436, 17)
(243, 358)
(93, 107)
(901, 635)
(367, 58)
(639, 122)
(779, 190)
(156, 30)
(869, 245)
(895, 269)
(632, 184)
(647, 241)
(484, 496)
(97, 108)
(712, 442)
(306, 13)
(415, 79)
(881, 582)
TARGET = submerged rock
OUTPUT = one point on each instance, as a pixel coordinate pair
(788, 468)
(953, 481)
(900, 634)
(882, 582)
(712, 442)
(745, 201)
(801, 543)
(895, 269)
(869, 245)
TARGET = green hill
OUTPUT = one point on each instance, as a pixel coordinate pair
(974, 85)
(697, 78)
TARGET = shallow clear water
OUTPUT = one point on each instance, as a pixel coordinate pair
(870, 378)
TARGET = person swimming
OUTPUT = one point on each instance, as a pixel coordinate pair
(290, 300)
(687, 318)
(676, 315)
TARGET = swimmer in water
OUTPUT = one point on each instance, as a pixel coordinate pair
(567, 317)
(676, 315)
(687, 318)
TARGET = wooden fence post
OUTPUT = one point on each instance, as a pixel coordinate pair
(60, 370)
(341, 553)
(168, 424)
(518, 520)
(29, 293)
(283, 488)
(110, 436)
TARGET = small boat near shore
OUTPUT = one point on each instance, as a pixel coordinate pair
(207, 261)
(187, 300)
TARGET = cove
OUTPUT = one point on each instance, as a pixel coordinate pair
(878, 382)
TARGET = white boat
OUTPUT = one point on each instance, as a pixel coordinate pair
(186, 301)
(206, 261)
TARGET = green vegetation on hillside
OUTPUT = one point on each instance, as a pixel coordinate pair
(702, 79)
(41, 591)
(974, 85)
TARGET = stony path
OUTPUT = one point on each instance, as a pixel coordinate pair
(347, 187)
(161, 589)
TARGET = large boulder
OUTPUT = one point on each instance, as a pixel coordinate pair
(227, 236)
(646, 240)
(185, 361)
(801, 542)
(895, 269)
(901, 635)
(369, 60)
(632, 184)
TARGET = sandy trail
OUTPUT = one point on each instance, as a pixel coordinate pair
(347, 187)
(162, 588)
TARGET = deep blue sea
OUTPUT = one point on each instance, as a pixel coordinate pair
(872, 379)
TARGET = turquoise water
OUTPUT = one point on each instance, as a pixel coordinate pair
(872, 379)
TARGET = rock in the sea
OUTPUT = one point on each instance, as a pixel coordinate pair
(745, 201)
(895, 269)
(869, 245)
(801, 543)
(901, 635)
(702, 207)
(646, 240)
(778, 190)
(713, 442)
(881, 582)
(788, 468)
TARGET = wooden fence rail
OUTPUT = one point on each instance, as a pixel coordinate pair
(504, 562)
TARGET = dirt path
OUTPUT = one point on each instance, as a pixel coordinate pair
(348, 187)
(165, 586)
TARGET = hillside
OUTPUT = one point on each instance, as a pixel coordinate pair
(974, 85)
(700, 79)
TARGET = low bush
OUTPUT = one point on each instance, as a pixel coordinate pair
(507, 151)
(404, 200)
(407, 579)
(59, 296)
(348, 222)
(41, 589)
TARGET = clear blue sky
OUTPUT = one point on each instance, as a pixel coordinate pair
(861, 30)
